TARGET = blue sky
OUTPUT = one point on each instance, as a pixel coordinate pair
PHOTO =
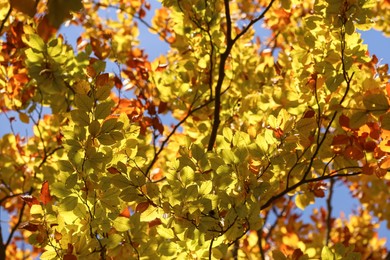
(377, 44)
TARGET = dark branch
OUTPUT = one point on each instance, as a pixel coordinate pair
(305, 181)
(330, 208)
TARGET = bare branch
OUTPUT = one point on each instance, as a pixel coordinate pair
(330, 208)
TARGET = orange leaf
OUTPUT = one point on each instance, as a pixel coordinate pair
(45, 193)
(384, 163)
(388, 89)
(125, 213)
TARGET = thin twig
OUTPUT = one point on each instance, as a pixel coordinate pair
(5, 19)
(221, 70)
(305, 181)
(330, 208)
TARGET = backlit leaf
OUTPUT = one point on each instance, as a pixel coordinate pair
(45, 196)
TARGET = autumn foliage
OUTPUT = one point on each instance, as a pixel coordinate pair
(211, 151)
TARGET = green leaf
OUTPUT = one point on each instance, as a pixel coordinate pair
(229, 156)
(120, 181)
(121, 224)
(103, 92)
(165, 232)
(303, 200)
(59, 190)
(376, 103)
(94, 128)
(276, 254)
(108, 125)
(327, 254)
(48, 255)
(83, 102)
(65, 166)
(385, 121)
(187, 175)
(69, 203)
(205, 188)
(110, 138)
(358, 119)
(103, 110)
(35, 42)
(80, 117)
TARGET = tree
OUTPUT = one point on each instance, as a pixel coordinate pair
(261, 130)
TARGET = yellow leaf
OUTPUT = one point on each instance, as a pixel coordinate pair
(165, 232)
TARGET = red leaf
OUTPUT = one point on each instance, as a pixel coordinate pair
(70, 248)
(125, 213)
(319, 193)
(141, 207)
(45, 193)
(28, 226)
(309, 113)
(162, 107)
(118, 83)
(370, 146)
(368, 169)
(297, 254)
(30, 200)
(340, 140)
(45, 29)
(344, 121)
(154, 222)
(113, 170)
(70, 257)
(69, 253)
(353, 152)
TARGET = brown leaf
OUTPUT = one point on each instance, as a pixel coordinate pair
(141, 207)
(102, 80)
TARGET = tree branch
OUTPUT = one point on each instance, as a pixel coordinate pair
(221, 70)
(330, 208)
(5, 19)
(305, 181)
(190, 112)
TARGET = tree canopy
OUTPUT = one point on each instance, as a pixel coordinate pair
(260, 129)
